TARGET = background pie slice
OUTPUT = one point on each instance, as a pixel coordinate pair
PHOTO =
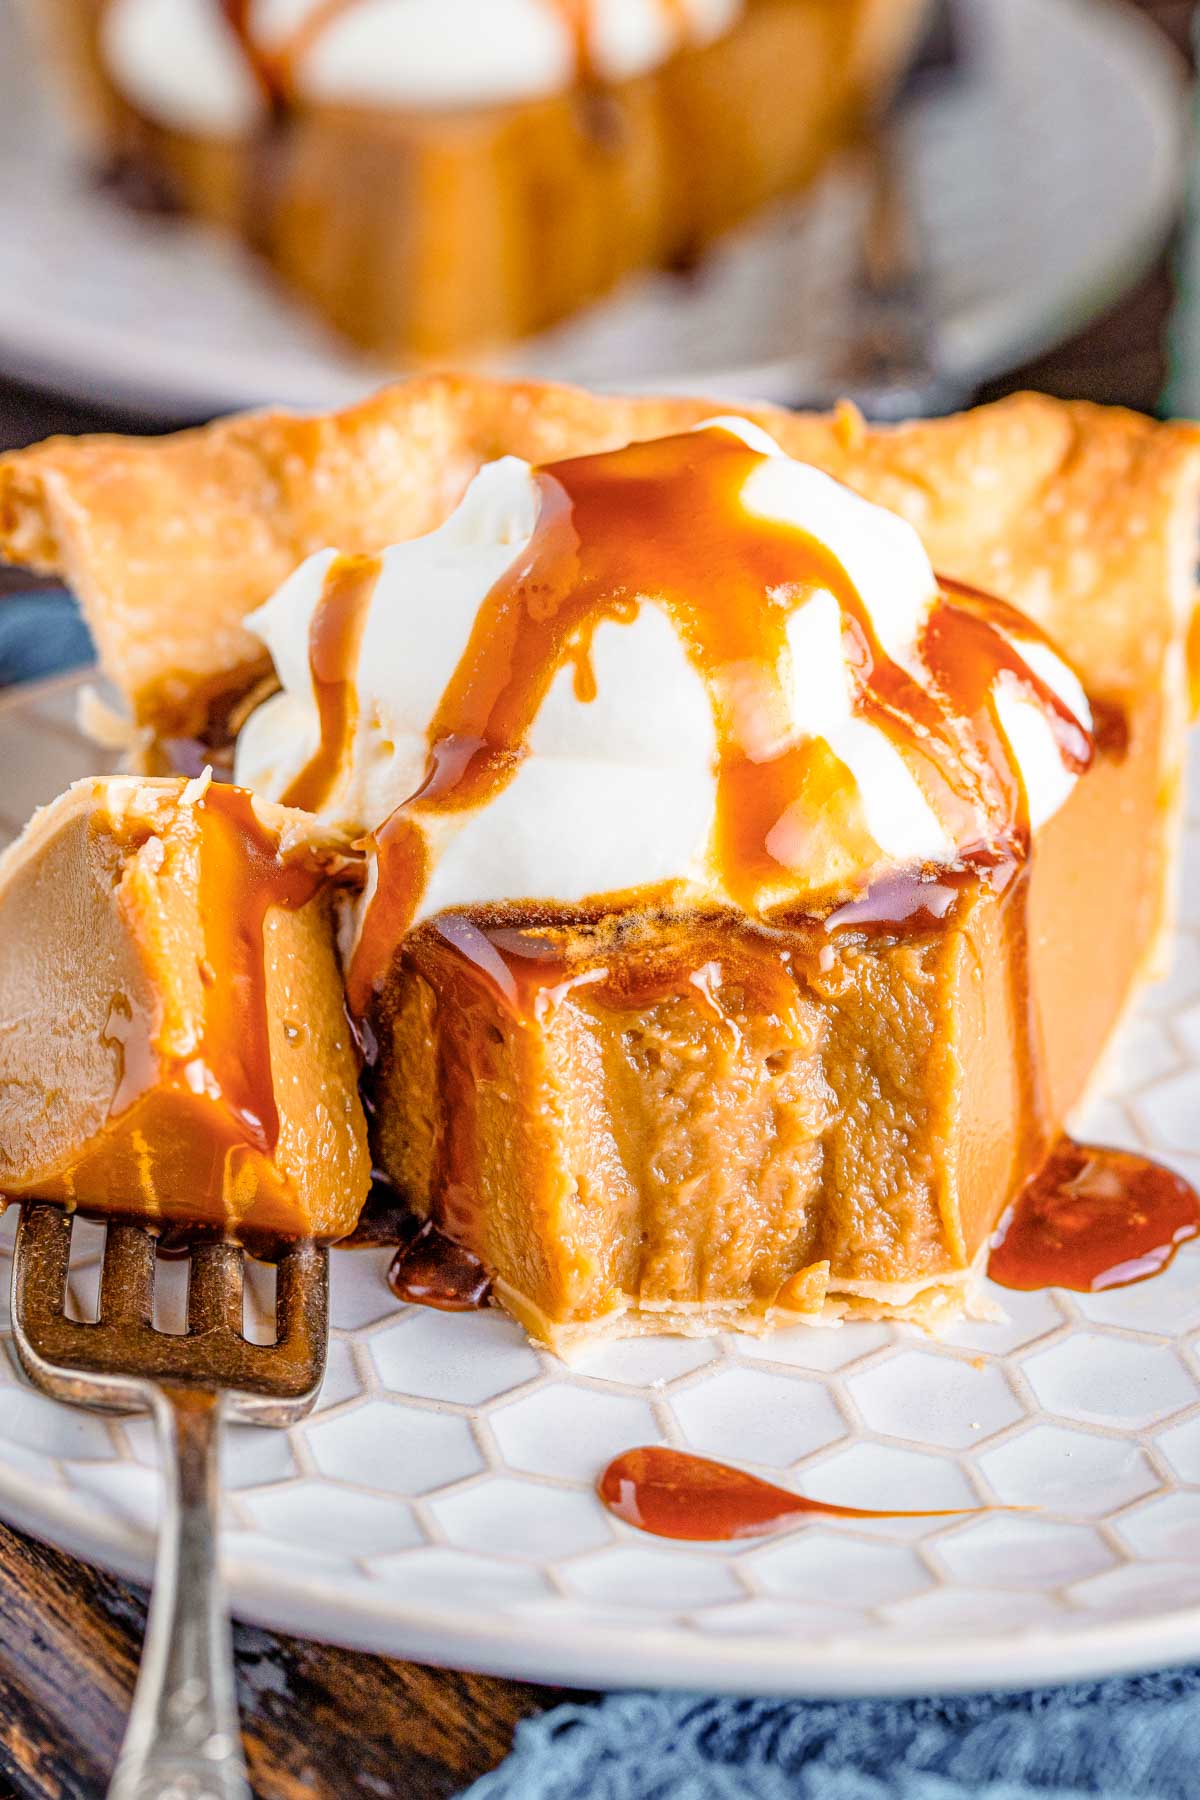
(428, 230)
(845, 1142)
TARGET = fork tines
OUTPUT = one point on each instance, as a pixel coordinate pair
(214, 1353)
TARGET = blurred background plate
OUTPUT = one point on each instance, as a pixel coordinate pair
(1044, 173)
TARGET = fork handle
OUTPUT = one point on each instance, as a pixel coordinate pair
(183, 1741)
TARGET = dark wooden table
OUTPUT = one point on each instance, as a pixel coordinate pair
(322, 1724)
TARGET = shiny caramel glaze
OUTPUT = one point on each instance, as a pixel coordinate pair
(526, 971)
(665, 520)
(1091, 1219)
(428, 1269)
(673, 1494)
(334, 639)
(241, 877)
(435, 1271)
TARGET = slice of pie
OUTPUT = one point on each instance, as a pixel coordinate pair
(743, 906)
(175, 1045)
(435, 175)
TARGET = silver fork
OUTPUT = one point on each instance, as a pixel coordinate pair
(183, 1741)
(889, 364)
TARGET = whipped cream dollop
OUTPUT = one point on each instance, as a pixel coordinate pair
(182, 63)
(661, 749)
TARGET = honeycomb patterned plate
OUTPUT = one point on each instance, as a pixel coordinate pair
(439, 1502)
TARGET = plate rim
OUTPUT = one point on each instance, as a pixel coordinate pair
(635, 1655)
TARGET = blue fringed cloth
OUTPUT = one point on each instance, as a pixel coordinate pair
(1136, 1738)
(41, 634)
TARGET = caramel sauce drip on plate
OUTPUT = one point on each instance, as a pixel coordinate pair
(1092, 1219)
(435, 1271)
(429, 1268)
(666, 521)
(673, 1494)
(334, 640)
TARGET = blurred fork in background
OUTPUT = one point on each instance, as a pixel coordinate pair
(889, 363)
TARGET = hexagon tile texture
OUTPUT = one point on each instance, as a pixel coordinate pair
(447, 1472)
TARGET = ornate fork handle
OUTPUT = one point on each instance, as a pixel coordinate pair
(183, 1741)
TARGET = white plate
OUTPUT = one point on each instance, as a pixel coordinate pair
(439, 1504)
(1046, 179)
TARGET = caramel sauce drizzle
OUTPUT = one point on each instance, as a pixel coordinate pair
(522, 970)
(972, 642)
(275, 70)
(240, 879)
(673, 1494)
(664, 521)
(1092, 1219)
(576, 16)
(237, 17)
(334, 639)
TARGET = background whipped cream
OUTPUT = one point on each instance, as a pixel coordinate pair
(619, 791)
(179, 61)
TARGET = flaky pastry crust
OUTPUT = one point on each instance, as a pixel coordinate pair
(1080, 515)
